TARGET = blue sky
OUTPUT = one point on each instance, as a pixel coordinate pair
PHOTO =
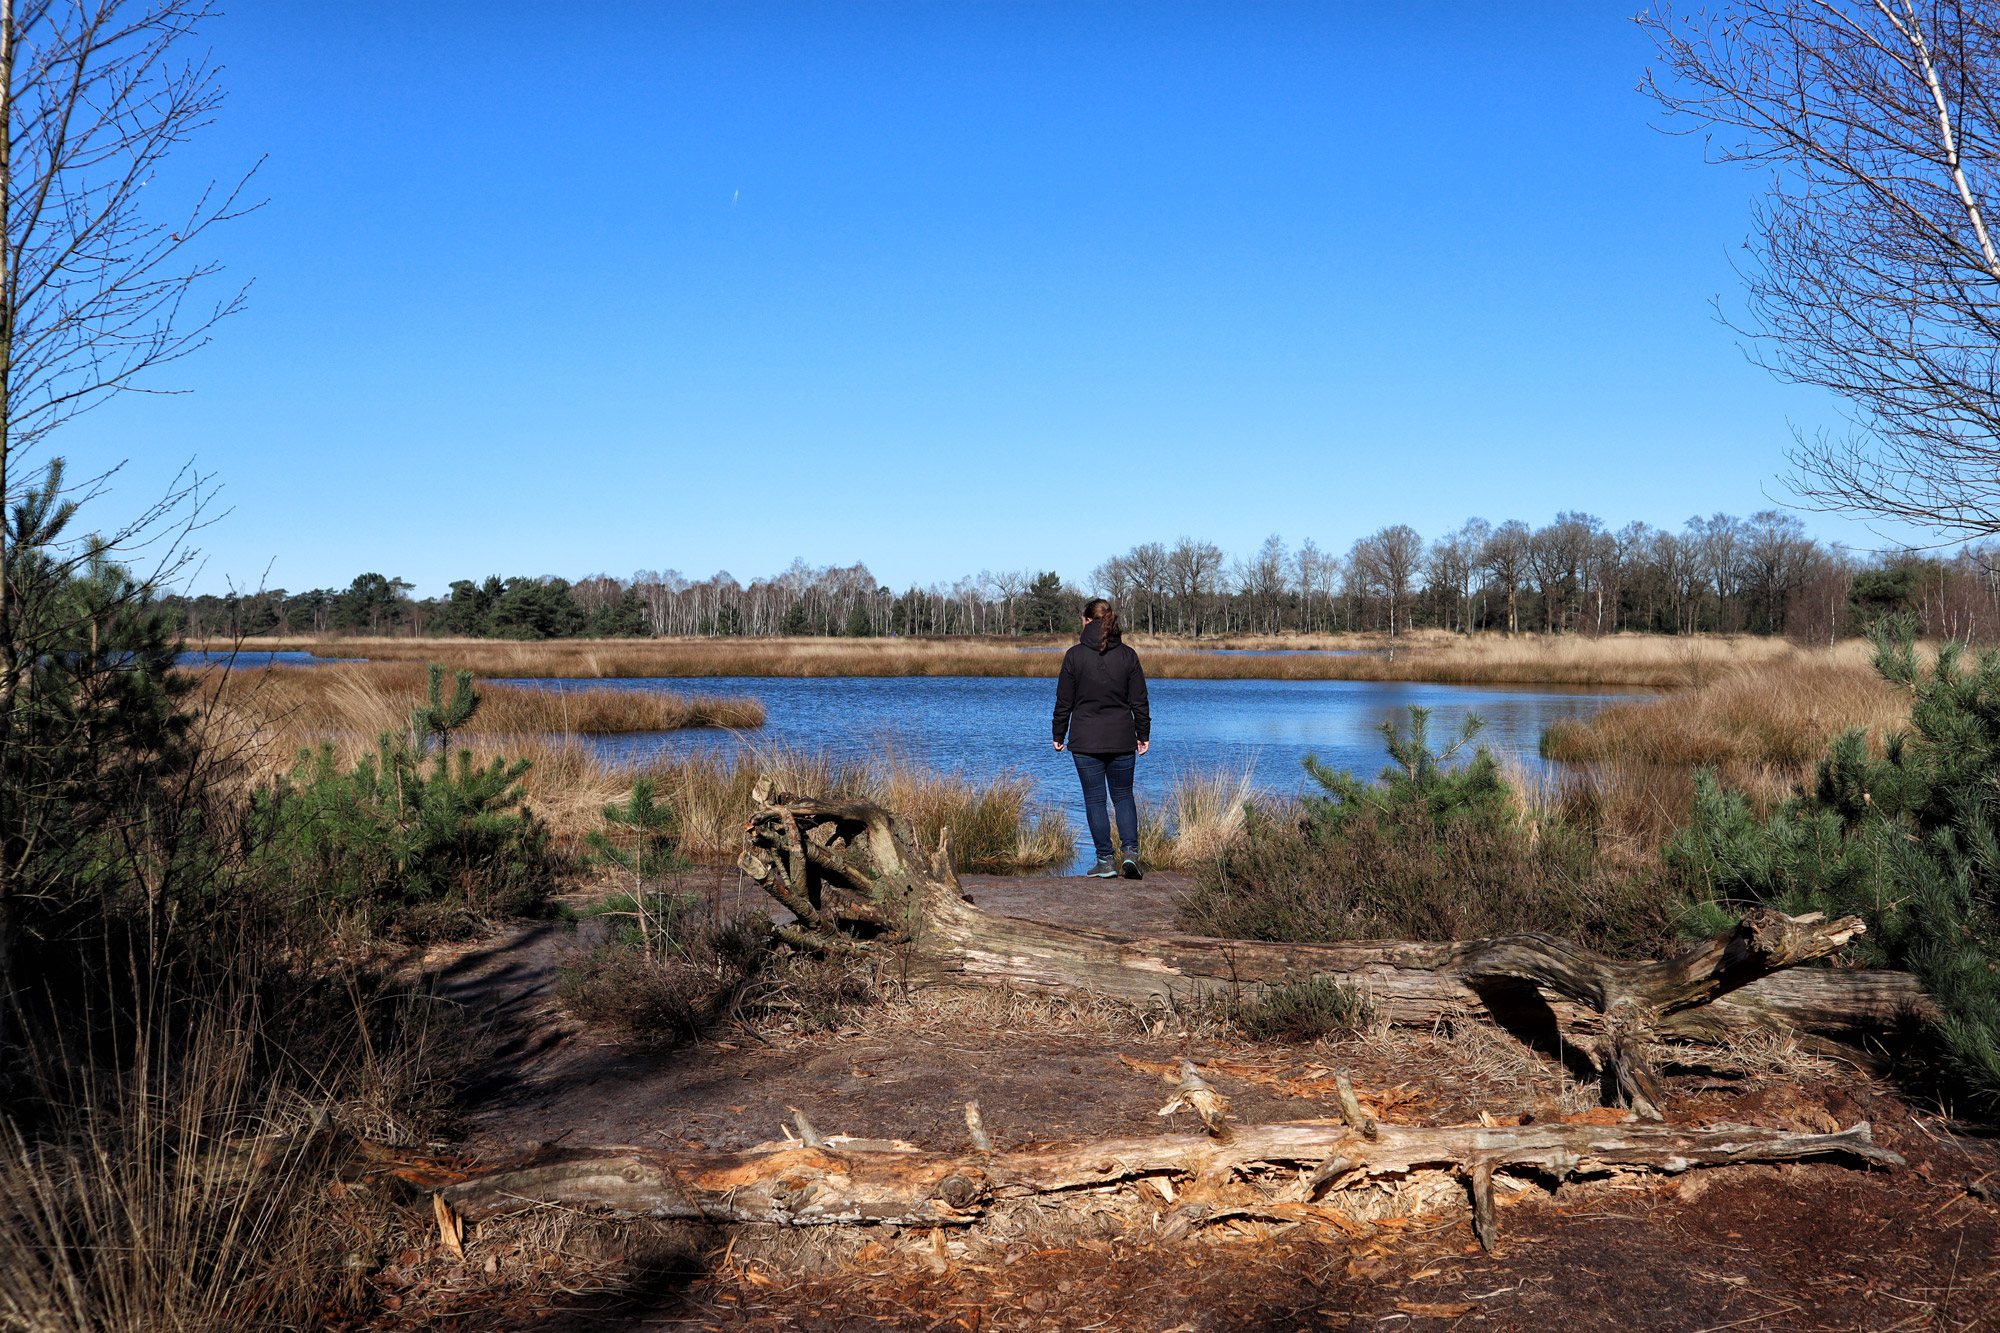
(944, 287)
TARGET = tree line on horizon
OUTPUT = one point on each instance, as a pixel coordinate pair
(1762, 575)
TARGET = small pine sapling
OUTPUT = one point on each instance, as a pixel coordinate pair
(434, 720)
(651, 836)
(1417, 775)
(395, 834)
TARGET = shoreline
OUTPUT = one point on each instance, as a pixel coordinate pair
(1656, 662)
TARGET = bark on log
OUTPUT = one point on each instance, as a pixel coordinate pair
(852, 871)
(842, 1180)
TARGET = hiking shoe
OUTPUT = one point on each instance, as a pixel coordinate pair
(1130, 869)
(1105, 868)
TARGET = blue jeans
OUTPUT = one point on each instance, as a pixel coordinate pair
(1098, 771)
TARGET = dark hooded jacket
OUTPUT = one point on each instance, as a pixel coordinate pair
(1101, 697)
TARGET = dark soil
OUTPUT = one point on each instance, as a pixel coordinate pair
(1807, 1247)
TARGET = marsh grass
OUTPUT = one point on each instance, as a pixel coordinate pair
(1200, 817)
(373, 697)
(1781, 713)
(997, 825)
(184, 1184)
(1629, 771)
(268, 716)
(1628, 809)
(130, 1212)
(1639, 660)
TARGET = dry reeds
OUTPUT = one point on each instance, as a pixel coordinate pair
(1781, 713)
(373, 697)
(1654, 661)
(1200, 817)
(1629, 771)
(996, 824)
(142, 1207)
(1629, 809)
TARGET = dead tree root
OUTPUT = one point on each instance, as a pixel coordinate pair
(854, 876)
(1292, 1172)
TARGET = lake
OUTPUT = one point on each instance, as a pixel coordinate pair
(988, 724)
(248, 661)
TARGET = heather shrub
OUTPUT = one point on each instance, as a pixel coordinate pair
(671, 969)
(1434, 851)
(1305, 1011)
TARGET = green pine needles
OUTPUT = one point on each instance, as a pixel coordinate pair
(413, 837)
(643, 835)
(1910, 842)
(1417, 777)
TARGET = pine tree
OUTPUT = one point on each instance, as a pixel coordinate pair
(1417, 775)
(1908, 842)
(651, 828)
(413, 824)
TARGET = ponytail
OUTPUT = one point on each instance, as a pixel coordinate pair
(1107, 622)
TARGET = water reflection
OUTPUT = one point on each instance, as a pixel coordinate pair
(251, 660)
(985, 724)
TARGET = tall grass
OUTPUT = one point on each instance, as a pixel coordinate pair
(1651, 661)
(1201, 816)
(172, 1170)
(267, 718)
(1782, 713)
(140, 1209)
(373, 697)
(996, 824)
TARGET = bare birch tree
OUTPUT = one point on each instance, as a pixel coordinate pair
(1147, 566)
(1715, 543)
(1452, 561)
(1505, 558)
(1194, 572)
(1388, 563)
(1261, 579)
(1876, 270)
(1314, 573)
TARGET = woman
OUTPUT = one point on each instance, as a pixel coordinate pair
(1101, 713)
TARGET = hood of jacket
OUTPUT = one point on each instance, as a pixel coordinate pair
(1093, 635)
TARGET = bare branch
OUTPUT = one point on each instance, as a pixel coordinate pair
(1876, 274)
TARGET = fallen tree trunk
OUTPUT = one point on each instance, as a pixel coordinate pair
(851, 873)
(1283, 1172)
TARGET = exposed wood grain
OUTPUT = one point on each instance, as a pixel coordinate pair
(857, 873)
(841, 1180)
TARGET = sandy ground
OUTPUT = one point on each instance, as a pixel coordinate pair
(1817, 1246)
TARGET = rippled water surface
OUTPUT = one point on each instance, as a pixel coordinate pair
(984, 724)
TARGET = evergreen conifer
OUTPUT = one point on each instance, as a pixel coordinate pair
(1909, 841)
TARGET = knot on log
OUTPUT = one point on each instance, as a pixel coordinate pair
(960, 1189)
(793, 1192)
(1780, 941)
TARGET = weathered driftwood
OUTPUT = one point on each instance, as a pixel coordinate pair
(851, 872)
(1290, 1167)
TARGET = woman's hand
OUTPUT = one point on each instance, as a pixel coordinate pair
(1059, 746)
(1143, 745)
